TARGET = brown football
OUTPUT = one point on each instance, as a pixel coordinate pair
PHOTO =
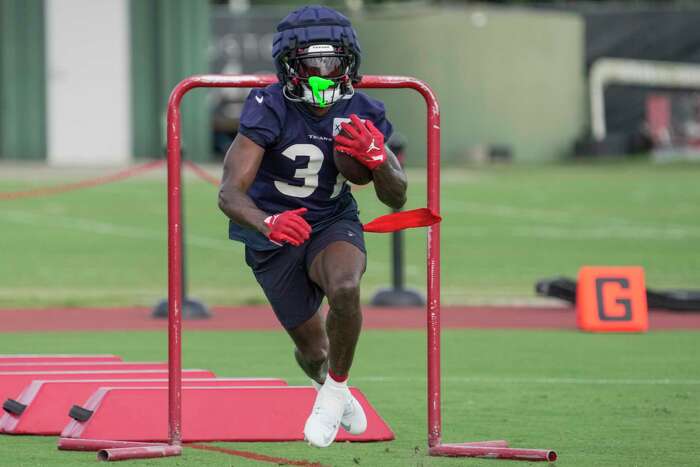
(355, 172)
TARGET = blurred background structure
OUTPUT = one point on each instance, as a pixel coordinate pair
(85, 82)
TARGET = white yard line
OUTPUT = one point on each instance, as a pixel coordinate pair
(107, 228)
(543, 380)
(606, 228)
(510, 212)
(628, 232)
(666, 233)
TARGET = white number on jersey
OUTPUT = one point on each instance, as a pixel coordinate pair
(308, 173)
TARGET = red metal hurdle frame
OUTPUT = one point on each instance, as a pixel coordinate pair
(121, 450)
(175, 284)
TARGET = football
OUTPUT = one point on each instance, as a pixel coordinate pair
(355, 172)
(352, 170)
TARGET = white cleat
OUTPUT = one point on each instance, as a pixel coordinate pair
(354, 420)
(322, 425)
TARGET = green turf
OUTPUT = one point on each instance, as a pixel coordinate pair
(504, 228)
(599, 400)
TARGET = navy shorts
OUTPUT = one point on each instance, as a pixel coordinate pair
(283, 273)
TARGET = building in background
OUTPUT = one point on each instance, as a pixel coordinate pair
(86, 82)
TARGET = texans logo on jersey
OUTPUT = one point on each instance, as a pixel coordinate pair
(336, 124)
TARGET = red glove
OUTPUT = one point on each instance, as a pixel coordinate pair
(288, 227)
(365, 144)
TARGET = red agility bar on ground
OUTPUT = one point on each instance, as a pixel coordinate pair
(12, 383)
(211, 414)
(493, 450)
(44, 405)
(119, 450)
(57, 358)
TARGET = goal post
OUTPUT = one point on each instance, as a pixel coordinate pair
(175, 227)
(607, 71)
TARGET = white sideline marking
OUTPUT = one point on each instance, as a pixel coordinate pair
(628, 232)
(511, 212)
(489, 380)
(607, 227)
(615, 231)
(106, 228)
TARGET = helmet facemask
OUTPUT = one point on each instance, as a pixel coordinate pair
(318, 75)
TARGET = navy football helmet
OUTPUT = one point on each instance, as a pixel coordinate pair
(316, 41)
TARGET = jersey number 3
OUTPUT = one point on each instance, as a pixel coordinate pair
(309, 173)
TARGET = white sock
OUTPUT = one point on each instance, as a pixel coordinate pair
(335, 384)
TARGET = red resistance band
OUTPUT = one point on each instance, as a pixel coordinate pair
(422, 217)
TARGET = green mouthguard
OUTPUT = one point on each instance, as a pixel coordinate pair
(319, 84)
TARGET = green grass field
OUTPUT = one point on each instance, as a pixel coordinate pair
(599, 400)
(504, 228)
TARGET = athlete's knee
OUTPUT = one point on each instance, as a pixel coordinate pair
(344, 294)
(314, 354)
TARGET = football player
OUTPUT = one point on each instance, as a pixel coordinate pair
(294, 211)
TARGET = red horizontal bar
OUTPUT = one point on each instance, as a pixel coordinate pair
(499, 443)
(76, 444)
(145, 452)
(490, 452)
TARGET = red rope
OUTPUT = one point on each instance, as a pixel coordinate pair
(389, 223)
(53, 190)
(201, 173)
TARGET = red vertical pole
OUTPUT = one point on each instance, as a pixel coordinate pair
(433, 305)
(175, 291)
(175, 278)
(433, 257)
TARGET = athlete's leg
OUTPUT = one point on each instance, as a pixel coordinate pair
(335, 262)
(311, 351)
(337, 269)
(296, 301)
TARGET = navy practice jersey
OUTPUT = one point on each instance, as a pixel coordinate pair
(297, 170)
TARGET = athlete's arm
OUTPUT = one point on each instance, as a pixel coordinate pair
(241, 164)
(390, 181)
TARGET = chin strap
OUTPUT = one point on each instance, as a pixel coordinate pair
(422, 217)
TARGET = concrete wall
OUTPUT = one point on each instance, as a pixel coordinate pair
(503, 76)
(88, 85)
